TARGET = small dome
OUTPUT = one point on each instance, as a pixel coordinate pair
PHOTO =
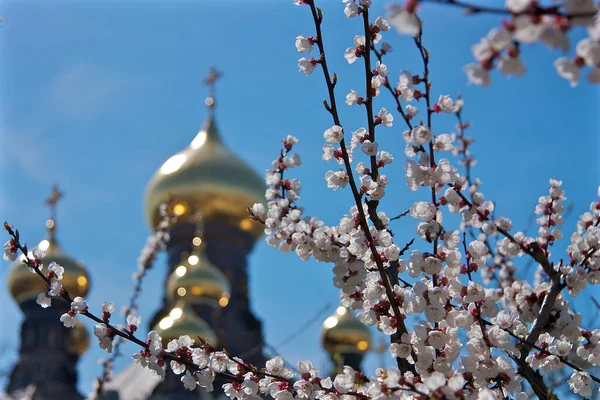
(79, 339)
(182, 320)
(344, 333)
(198, 281)
(24, 285)
(209, 176)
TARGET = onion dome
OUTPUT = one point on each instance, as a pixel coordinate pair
(24, 285)
(199, 281)
(344, 333)
(79, 339)
(182, 320)
(209, 176)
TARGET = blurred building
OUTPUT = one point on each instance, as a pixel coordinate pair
(210, 189)
(345, 339)
(48, 353)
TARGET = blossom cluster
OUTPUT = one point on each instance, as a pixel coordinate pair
(156, 242)
(467, 341)
(513, 317)
(584, 251)
(529, 22)
(448, 306)
(199, 366)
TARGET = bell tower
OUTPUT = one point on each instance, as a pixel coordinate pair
(48, 352)
(345, 339)
(210, 189)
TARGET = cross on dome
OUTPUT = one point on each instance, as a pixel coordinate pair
(52, 202)
(207, 176)
(210, 81)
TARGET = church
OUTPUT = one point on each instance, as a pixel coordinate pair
(209, 189)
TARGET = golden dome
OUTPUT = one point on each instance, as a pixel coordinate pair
(182, 320)
(79, 339)
(208, 175)
(198, 281)
(344, 333)
(24, 285)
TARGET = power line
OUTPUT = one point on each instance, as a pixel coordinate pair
(318, 316)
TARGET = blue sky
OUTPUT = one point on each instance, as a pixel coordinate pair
(96, 95)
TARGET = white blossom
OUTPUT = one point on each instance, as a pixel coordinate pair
(56, 269)
(258, 210)
(351, 10)
(304, 44)
(352, 53)
(68, 320)
(580, 383)
(384, 118)
(78, 304)
(420, 135)
(353, 98)
(477, 74)
(10, 251)
(306, 65)
(43, 300)
(568, 69)
(334, 135)
(404, 19)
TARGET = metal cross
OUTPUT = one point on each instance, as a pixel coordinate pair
(212, 77)
(209, 81)
(51, 201)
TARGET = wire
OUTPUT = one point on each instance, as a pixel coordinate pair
(318, 316)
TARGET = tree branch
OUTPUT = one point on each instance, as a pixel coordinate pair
(317, 18)
(471, 9)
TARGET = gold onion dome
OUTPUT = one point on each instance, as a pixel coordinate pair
(182, 320)
(24, 285)
(79, 339)
(199, 281)
(344, 333)
(209, 176)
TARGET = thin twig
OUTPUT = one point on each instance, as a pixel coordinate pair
(405, 213)
(127, 335)
(332, 108)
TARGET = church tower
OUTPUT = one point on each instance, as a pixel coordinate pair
(206, 288)
(49, 352)
(345, 339)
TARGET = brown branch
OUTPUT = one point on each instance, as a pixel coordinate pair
(369, 90)
(317, 18)
(465, 144)
(145, 264)
(425, 58)
(405, 213)
(515, 336)
(471, 9)
(544, 316)
(541, 321)
(544, 351)
(535, 380)
(168, 356)
(393, 92)
(534, 250)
